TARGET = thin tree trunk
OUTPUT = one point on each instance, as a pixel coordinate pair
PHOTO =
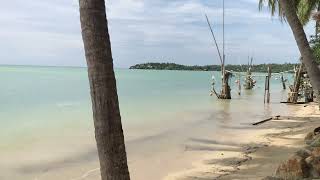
(105, 105)
(308, 58)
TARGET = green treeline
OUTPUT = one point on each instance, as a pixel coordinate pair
(255, 68)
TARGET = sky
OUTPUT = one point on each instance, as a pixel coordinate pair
(47, 32)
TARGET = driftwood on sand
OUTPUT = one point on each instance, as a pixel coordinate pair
(266, 120)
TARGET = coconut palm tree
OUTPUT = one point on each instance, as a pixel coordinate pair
(105, 105)
(288, 7)
(288, 10)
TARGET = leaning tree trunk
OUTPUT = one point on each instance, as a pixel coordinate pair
(308, 58)
(105, 105)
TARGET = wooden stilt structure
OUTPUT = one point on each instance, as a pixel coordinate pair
(249, 82)
(294, 90)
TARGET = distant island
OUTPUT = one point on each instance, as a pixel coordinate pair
(255, 68)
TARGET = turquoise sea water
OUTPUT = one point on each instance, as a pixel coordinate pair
(49, 97)
(52, 104)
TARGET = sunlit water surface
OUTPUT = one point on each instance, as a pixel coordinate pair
(46, 112)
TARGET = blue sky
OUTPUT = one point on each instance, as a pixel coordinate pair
(47, 32)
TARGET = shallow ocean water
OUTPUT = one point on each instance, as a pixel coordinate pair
(46, 116)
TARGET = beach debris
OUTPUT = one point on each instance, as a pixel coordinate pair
(276, 117)
(263, 121)
(266, 120)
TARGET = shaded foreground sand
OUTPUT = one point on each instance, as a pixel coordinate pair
(267, 146)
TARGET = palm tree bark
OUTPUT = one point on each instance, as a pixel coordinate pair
(105, 105)
(308, 58)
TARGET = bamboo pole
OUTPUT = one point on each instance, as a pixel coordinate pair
(214, 38)
(223, 45)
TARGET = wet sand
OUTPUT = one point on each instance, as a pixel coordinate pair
(264, 148)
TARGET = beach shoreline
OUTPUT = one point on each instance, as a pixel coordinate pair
(170, 124)
(236, 151)
(268, 145)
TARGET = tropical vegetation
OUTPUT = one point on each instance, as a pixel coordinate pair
(239, 68)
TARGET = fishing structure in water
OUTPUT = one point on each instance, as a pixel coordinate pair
(249, 82)
(225, 92)
(301, 86)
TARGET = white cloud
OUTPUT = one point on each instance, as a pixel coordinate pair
(48, 32)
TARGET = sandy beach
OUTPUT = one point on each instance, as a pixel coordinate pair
(172, 130)
(188, 136)
(232, 152)
(241, 151)
(256, 151)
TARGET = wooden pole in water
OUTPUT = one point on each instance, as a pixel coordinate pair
(224, 83)
(283, 82)
(239, 84)
(265, 89)
(267, 86)
(269, 77)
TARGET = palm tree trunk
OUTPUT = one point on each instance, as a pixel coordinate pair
(105, 105)
(317, 22)
(308, 58)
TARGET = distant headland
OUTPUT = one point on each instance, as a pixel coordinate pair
(240, 68)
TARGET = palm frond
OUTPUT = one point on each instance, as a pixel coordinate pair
(304, 8)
